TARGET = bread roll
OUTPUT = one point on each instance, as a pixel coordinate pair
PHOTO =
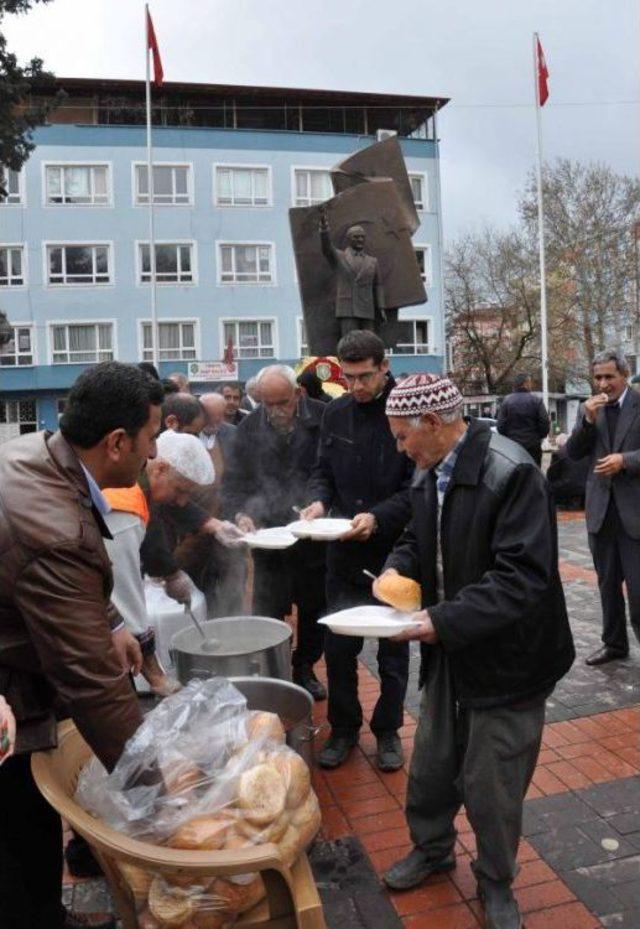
(138, 880)
(261, 794)
(296, 776)
(182, 777)
(171, 906)
(307, 819)
(290, 845)
(230, 898)
(399, 592)
(147, 921)
(204, 832)
(262, 725)
(260, 835)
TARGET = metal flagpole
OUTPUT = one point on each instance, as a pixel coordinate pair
(152, 240)
(543, 279)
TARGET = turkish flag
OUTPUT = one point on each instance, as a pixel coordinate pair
(152, 43)
(543, 75)
(228, 356)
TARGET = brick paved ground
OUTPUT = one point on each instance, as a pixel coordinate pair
(580, 855)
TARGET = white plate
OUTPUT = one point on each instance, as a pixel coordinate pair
(275, 538)
(377, 622)
(322, 530)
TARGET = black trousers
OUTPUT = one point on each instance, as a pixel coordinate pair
(341, 656)
(616, 557)
(30, 852)
(293, 575)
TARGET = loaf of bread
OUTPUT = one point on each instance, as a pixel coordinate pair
(295, 774)
(171, 906)
(262, 725)
(400, 592)
(204, 832)
(137, 880)
(261, 794)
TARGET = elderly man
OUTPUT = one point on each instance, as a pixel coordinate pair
(607, 433)
(251, 399)
(274, 451)
(362, 476)
(494, 634)
(181, 382)
(58, 653)
(183, 413)
(217, 434)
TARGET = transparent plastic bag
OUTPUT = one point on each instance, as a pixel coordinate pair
(204, 773)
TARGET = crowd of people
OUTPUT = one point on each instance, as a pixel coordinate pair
(144, 478)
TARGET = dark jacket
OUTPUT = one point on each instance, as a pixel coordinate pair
(503, 622)
(267, 473)
(360, 470)
(56, 650)
(592, 441)
(567, 478)
(523, 417)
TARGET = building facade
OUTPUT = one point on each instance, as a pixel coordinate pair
(74, 232)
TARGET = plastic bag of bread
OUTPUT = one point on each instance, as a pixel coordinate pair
(203, 773)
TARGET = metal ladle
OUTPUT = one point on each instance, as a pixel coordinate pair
(208, 645)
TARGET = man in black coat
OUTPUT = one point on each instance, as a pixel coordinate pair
(608, 434)
(494, 633)
(274, 450)
(524, 419)
(361, 475)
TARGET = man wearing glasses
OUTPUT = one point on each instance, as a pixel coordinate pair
(361, 475)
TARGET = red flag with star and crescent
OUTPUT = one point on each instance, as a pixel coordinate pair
(152, 44)
(543, 76)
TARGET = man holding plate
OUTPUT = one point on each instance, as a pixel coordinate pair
(494, 635)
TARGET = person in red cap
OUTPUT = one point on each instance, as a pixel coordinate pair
(494, 635)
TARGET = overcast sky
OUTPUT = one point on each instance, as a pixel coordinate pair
(477, 52)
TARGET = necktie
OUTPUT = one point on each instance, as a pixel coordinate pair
(612, 412)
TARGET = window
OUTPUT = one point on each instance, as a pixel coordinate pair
(174, 263)
(11, 266)
(171, 184)
(240, 186)
(81, 343)
(245, 264)
(78, 264)
(12, 182)
(419, 190)
(18, 351)
(250, 339)
(414, 337)
(176, 341)
(17, 417)
(302, 338)
(311, 185)
(423, 256)
(86, 185)
(629, 330)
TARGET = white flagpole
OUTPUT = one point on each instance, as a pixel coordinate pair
(152, 240)
(543, 279)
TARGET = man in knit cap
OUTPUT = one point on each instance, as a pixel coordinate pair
(494, 635)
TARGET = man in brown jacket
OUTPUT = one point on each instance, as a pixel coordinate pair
(59, 635)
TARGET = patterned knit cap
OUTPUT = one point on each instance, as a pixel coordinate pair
(423, 393)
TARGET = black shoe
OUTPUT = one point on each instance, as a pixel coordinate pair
(336, 750)
(389, 755)
(75, 920)
(415, 868)
(304, 677)
(80, 859)
(500, 908)
(605, 654)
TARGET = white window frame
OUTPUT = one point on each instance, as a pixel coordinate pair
(424, 207)
(46, 203)
(414, 344)
(177, 242)
(188, 320)
(251, 319)
(244, 244)
(25, 269)
(325, 168)
(65, 243)
(5, 401)
(628, 335)
(144, 204)
(243, 167)
(300, 343)
(428, 259)
(33, 353)
(80, 322)
(22, 191)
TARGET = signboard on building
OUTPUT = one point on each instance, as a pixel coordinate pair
(205, 371)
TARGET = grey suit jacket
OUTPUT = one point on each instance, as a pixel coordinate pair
(593, 440)
(359, 291)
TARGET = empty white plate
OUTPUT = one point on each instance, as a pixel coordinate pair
(276, 537)
(322, 530)
(378, 622)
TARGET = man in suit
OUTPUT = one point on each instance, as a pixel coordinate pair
(608, 432)
(359, 294)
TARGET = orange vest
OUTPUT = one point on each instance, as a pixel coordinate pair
(128, 500)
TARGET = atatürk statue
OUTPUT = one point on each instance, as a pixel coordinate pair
(360, 300)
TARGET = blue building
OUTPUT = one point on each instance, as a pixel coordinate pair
(228, 164)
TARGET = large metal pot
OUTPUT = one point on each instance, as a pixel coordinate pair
(290, 702)
(238, 646)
